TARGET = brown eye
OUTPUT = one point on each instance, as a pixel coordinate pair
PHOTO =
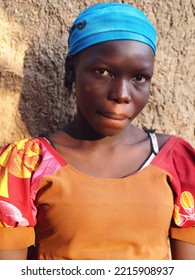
(139, 79)
(103, 72)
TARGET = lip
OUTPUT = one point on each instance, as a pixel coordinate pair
(114, 116)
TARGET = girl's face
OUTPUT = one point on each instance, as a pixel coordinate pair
(112, 84)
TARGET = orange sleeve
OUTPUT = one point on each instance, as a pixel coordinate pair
(183, 234)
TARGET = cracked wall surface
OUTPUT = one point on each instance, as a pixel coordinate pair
(33, 44)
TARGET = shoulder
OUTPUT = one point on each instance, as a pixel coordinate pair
(25, 145)
(176, 142)
(175, 154)
(24, 151)
(162, 139)
(21, 157)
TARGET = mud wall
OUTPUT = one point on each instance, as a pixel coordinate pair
(33, 44)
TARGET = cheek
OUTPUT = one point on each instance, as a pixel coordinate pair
(140, 99)
(88, 90)
(85, 98)
(83, 84)
(142, 96)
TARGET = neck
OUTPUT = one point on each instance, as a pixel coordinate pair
(85, 134)
(82, 131)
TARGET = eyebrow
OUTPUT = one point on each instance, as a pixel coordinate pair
(96, 59)
(145, 68)
(148, 67)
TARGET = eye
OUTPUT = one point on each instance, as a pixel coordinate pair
(103, 72)
(140, 79)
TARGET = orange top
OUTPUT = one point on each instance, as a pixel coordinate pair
(93, 218)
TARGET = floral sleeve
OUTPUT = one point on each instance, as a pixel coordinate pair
(18, 162)
(183, 227)
(178, 159)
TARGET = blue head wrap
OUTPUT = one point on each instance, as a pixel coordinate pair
(110, 21)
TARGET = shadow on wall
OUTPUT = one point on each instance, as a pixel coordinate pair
(45, 104)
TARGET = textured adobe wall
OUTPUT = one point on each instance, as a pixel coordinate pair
(33, 44)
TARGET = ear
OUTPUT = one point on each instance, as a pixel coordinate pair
(70, 68)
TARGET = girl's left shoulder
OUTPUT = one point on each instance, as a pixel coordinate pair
(162, 139)
(173, 142)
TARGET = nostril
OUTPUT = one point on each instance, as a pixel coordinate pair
(121, 100)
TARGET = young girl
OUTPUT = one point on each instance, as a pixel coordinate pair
(101, 188)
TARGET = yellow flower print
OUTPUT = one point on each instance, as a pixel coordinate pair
(176, 215)
(24, 159)
(187, 202)
(3, 182)
(19, 159)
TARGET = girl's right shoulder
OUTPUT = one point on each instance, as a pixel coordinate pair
(26, 145)
(23, 154)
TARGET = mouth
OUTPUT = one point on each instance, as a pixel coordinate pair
(114, 116)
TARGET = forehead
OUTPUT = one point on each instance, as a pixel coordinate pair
(119, 50)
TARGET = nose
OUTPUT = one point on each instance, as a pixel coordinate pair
(120, 92)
